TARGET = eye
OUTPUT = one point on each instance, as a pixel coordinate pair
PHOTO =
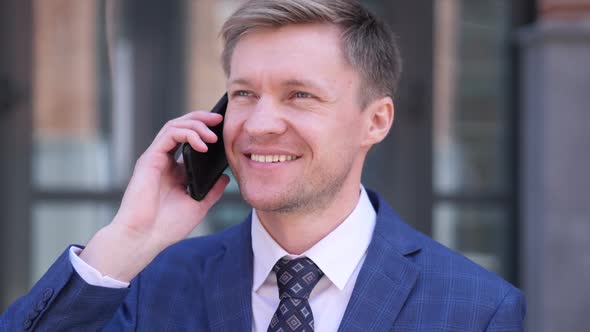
(302, 95)
(241, 93)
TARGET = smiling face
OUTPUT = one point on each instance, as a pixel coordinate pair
(294, 132)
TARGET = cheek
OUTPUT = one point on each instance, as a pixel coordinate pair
(345, 138)
(328, 140)
(231, 125)
(231, 132)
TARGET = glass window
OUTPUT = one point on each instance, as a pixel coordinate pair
(477, 231)
(75, 190)
(71, 147)
(56, 225)
(472, 123)
(471, 111)
(107, 76)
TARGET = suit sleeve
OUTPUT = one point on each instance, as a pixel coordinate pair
(90, 274)
(63, 301)
(510, 314)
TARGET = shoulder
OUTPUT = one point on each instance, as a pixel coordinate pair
(175, 284)
(452, 275)
(444, 276)
(443, 266)
(466, 288)
(191, 255)
(431, 257)
(470, 296)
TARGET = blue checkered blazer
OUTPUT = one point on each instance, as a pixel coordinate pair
(408, 283)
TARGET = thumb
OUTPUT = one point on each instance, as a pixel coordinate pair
(215, 193)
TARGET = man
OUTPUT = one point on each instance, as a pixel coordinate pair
(310, 87)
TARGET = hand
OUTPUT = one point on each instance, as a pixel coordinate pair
(156, 211)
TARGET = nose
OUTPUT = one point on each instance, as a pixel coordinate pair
(265, 119)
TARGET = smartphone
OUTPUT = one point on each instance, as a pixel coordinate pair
(204, 169)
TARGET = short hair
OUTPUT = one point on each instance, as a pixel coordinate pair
(367, 42)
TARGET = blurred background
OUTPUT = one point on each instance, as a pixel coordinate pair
(488, 154)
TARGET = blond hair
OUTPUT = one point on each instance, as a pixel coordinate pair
(367, 43)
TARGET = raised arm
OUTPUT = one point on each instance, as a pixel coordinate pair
(155, 213)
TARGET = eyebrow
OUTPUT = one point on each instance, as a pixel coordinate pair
(240, 81)
(290, 83)
(304, 83)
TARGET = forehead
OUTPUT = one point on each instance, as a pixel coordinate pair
(312, 50)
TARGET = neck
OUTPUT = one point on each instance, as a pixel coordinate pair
(297, 232)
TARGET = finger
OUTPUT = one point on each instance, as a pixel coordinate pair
(174, 179)
(206, 134)
(210, 199)
(171, 137)
(208, 120)
(179, 174)
(215, 193)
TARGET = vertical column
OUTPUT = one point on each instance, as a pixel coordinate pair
(15, 146)
(555, 181)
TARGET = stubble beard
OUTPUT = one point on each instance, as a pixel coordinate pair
(302, 197)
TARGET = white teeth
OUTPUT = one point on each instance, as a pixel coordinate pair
(271, 158)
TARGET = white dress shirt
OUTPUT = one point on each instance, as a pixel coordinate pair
(339, 255)
(90, 274)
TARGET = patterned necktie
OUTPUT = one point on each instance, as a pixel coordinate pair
(296, 278)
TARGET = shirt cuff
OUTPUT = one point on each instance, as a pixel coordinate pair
(90, 275)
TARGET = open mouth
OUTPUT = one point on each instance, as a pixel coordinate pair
(271, 158)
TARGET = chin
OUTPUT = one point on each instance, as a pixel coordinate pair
(264, 200)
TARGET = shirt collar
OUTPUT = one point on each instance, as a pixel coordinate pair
(337, 254)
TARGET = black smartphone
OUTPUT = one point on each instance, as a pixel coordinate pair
(204, 169)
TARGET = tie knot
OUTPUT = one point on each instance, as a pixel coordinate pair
(296, 278)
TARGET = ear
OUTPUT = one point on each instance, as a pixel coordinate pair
(380, 114)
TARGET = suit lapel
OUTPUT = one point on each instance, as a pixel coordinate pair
(386, 277)
(382, 287)
(228, 290)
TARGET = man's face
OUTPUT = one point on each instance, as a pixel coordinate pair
(294, 128)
